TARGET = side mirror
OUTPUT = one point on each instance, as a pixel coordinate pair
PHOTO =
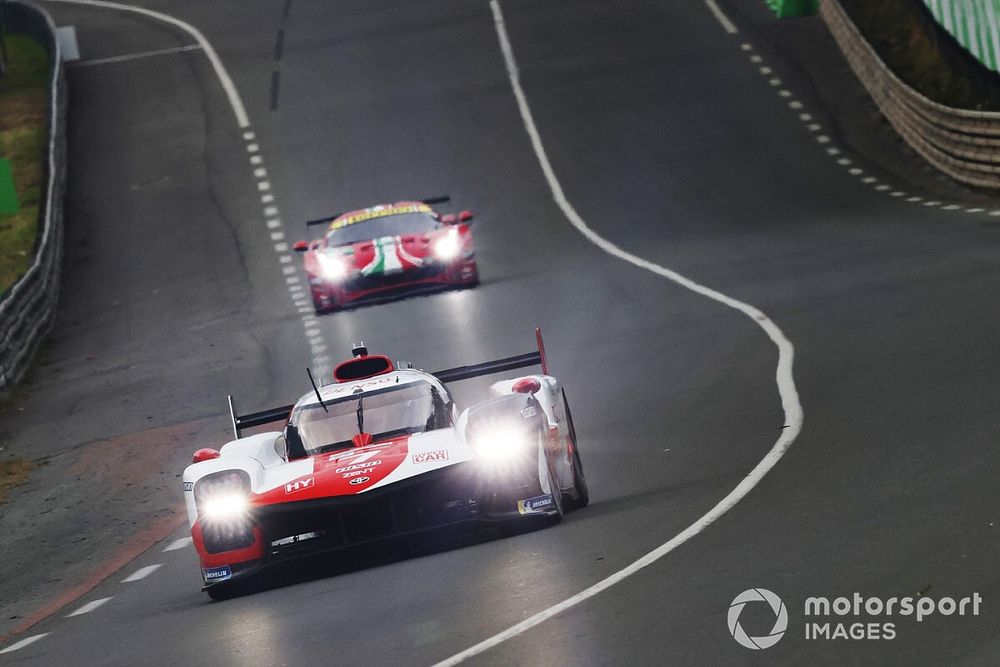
(300, 246)
(281, 447)
(465, 216)
(205, 455)
(527, 386)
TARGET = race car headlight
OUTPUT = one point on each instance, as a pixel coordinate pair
(332, 268)
(223, 497)
(448, 246)
(225, 506)
(500, 442)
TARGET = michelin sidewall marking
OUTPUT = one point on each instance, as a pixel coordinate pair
(780, 618)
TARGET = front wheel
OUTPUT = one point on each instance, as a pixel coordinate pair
(580, 496)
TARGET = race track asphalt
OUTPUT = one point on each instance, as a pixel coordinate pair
(670, 144)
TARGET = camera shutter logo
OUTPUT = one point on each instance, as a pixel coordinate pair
(780, 618)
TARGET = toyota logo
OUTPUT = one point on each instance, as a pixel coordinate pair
(359, 480)
(780, 618)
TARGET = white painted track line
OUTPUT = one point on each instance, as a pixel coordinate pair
(178, 544)
(137, 56)
(142, 573)
(727, 25)
(89, 607)
(786, 384)
(235, 101)
(28, 641)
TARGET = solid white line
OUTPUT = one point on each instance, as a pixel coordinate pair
(220, 70)
(136, 56)
(24, 642)
(178, 544)
(89, 607)
(142, 573)
(786, 384)
(727, 25)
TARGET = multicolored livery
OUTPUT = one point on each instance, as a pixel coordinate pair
(382, 452)
(387, 250)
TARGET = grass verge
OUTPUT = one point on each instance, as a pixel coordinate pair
(23, 110)
(922, 54)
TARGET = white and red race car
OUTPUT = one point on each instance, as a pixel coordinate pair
(382, 452)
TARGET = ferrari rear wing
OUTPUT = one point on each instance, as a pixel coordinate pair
(268, 416)
(536, 358)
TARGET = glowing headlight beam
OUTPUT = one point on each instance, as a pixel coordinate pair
(333, 268)
(448, 246)
(501, 444)
(225, 506)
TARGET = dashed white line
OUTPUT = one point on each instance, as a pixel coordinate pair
(142, 573)
(89, 607)
(263, 186)
(974, 210)
(280, 247)
(27, 641)
(756, 59)
(270, 211)
(277, 236)
(249, 135)
(274, 223)
(266, 199)
(256, 159)
(253, 148)
(260, 172)
(179, 544)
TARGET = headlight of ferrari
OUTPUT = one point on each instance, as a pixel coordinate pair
(448, 246)
(331, 266)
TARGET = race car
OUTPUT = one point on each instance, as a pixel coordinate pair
(388, 250)
(382, 452)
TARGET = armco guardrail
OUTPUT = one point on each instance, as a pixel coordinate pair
(961, 143)
(27, 309)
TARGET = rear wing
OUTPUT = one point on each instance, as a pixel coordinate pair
(498, 366)
(268, 416)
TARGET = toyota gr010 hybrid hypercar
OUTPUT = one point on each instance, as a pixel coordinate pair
(382, 452)
(388, 249)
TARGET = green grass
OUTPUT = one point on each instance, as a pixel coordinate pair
(23, 111)
(924, 56)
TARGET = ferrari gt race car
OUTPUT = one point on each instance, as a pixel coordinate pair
(381, 452)
(388, 249)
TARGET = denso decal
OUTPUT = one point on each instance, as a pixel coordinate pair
(534, 505)
(428, 457)
(210, 574)
(189, 486)
(299, 484)
(529, 412)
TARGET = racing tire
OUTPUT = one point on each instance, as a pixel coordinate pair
(580, 496)
(222, 591)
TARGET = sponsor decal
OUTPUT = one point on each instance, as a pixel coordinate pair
(300, 484)
(359, 480)
(534, 505)
(189, 486)
(359, 466)
(429, 457)
(378, 212)
(210, 574)
(529, 412)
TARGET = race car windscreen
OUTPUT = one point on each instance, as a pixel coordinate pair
(389, 225)
(386, 413)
